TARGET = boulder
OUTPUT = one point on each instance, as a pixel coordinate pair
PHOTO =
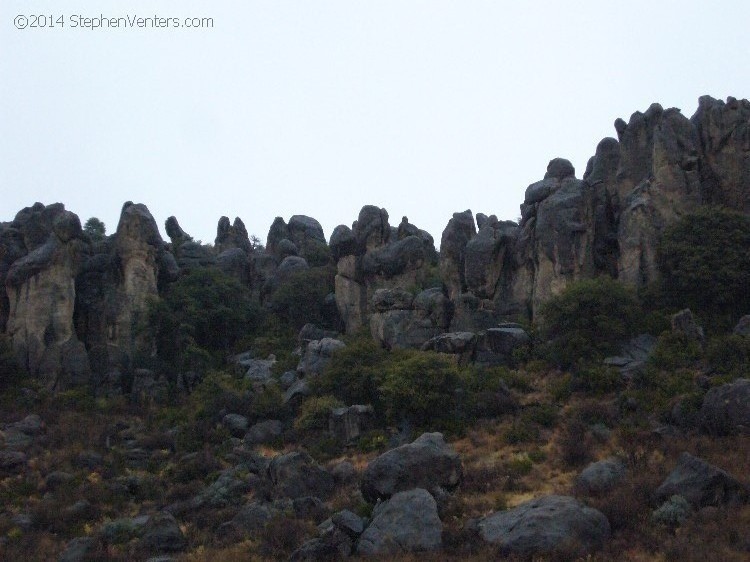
(396, 258)
(407, 522)
(702, 484)
(295, 475)
(684, 323)
(633, 355)
(348, 423)
(78, 549)
(546, 525)
(499, 346)
(161, 533)
(235, 423)
(264, 432)
(317, 355)
(601, 476)
(428, 462)
(726, 409)
(455, 343)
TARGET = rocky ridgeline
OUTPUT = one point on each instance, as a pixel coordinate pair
(72, 305)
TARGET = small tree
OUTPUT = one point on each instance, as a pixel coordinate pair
(704, 260)
(95, 229)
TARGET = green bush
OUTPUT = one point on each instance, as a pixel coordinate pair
(355, 373)
(203, 310)
(729, 356)
(674, 350)
(315, 411)
(299, 299)
(588, 320)
(421, 388)
(705, 265)
(597, 380)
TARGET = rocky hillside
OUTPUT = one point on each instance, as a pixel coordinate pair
(528, 389)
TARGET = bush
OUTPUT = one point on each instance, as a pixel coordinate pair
(203, 310)
(729, 356)
(674, 350)
(588, 320)
(355, 373)
(420, 387)
(705, 265)
(315, 412)
(299, 299)
(597, 380)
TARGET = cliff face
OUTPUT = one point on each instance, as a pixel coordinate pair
(74, 308)
(662, 166)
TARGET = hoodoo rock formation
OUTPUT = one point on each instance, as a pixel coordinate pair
(73, 306)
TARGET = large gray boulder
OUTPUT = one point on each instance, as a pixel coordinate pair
(296, 475)
(547, 525)
(702, 484)
(726, 409)
(408, 522)
(317, 355)
(429, 463)
(162, 533)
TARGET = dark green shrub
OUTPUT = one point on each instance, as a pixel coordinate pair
(355, 373)
(588, 320)
(597, 380)
(729, 356)
(705, 265)
(545, 415)
(674, 350)
(203, 310)
(420, 387)
(299, 299)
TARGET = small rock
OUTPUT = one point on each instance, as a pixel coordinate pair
(601, 476)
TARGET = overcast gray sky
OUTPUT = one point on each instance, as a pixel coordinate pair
(424, 107)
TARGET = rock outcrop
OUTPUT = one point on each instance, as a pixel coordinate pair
(372, 255)
(427, 463)
(661, 166)
(49, 246)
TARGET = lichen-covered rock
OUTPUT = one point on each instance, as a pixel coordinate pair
(317, 355)
(407, 522)
(547, 525)
(601, 476)
(726, 409)
(296, 475)
(702, 484)
(428, 462)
